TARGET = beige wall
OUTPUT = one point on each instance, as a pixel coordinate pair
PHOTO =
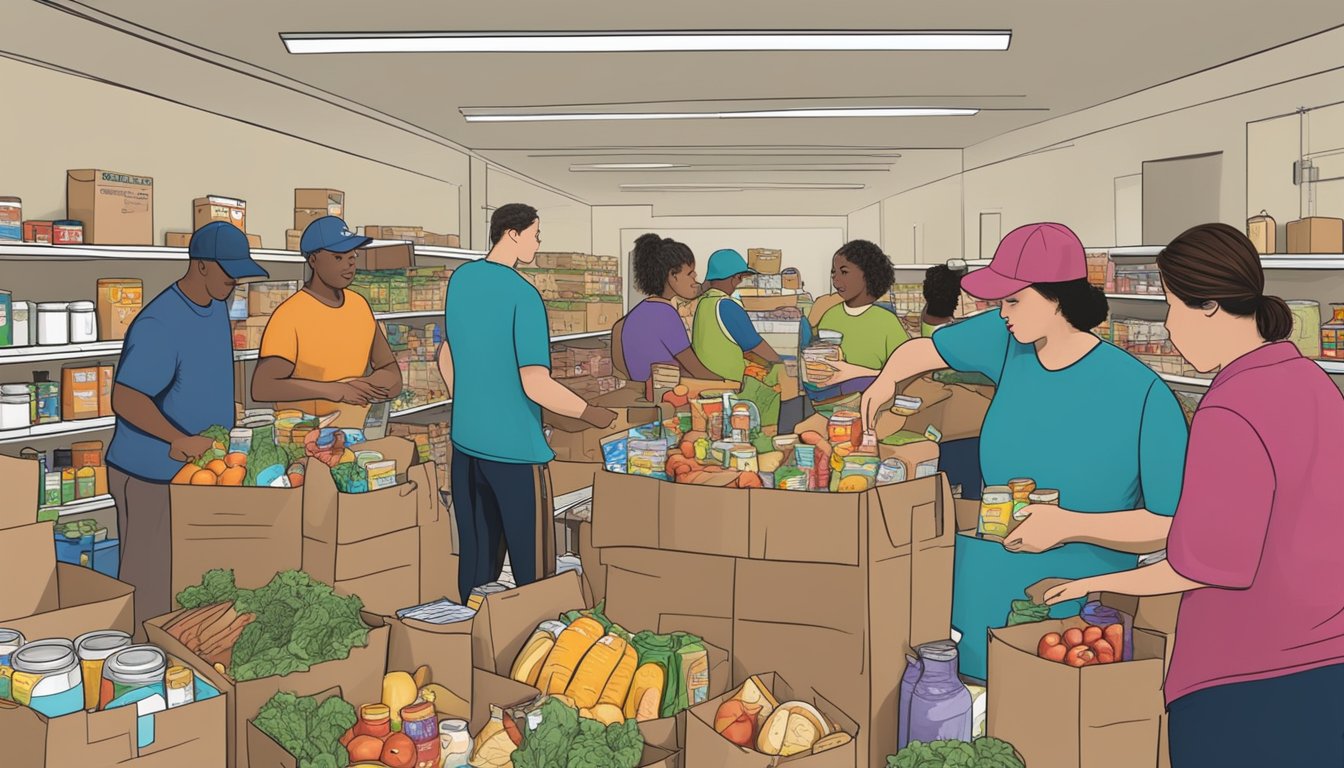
(191, 154)
(866, 224)
(566, 223)
(1065, 169)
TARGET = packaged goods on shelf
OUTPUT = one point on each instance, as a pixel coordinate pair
(1137, 279)
(115, 208)
(1263, 232)
(67, 232)
(1101, 270)
(416, 235)
(217, 208)
(265, 297)
(1306, 327)
(791, 279)
(80, 392)
(183, 240)
(567, 285)
(584, 358)
(119, 300)
(767, 261)
(247, 333)
(313, 204)
(293, 237)
(767, 283)
(1139, 337)
(784, 320)
(11, 218)
(384, 257)
(7, 324)
(565, 318)
(579, 261)
(37, 232)
(1316, 235)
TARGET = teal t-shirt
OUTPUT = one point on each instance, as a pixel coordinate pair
(495, 323)
(1106, 432)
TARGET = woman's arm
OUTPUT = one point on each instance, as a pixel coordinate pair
(910, 359)
(1136, 531)
(1149, 581)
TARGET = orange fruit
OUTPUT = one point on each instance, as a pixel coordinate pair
(236, 460)
(183, 476)
(217, 466)
(204, 477)
(398, 751)
(365, 748)
(233, 476)
(295, 479)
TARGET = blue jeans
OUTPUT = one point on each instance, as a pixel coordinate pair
(1284, 721)
(495, 507)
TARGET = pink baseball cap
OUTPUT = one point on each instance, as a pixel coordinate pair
(1036, 253)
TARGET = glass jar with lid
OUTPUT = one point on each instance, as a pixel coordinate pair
(93, 650)
(132, 675)
(47, 678)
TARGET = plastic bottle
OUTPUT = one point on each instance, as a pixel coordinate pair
(940, 705)
(454, 744)
(913, 669)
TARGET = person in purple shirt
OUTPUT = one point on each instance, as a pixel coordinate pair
(653, 332)
(1257, 672)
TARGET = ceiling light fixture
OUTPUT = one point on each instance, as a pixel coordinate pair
(641, 42)
(536, 117)
(625, 166)
(740, 187)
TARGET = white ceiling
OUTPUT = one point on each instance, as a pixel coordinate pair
(1062, 59)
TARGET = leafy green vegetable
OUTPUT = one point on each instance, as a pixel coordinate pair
(548, 746)
(349, 477)
(308, 730)
(982, 753)
(263, 455)
(300, 622)
(218, 434)
(599, 746)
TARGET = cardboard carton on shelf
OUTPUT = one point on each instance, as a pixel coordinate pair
(312, 204)
(38, 232)
(115, 208)
(11, 218)
(767, 261)
(705, 746)
(292, 239)
(183, 240)
(360, 675)
(602, 315)
(392, 256)
(218, 208)
(193, 734)
(1316, 235)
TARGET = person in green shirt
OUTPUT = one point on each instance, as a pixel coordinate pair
(861, 274)
(725, 340)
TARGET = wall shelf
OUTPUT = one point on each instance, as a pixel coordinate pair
(420, 409)
(1135, 297)
(86, 506)
(59, 429)
(55, 253)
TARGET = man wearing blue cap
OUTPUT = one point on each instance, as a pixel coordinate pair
(323, 351)
(175, 381)
(725, 340)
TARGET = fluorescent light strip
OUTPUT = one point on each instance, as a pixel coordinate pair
(772, 113)
(763, 186)
(626, 166)
(643, 42)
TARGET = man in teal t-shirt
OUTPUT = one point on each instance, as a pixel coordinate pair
(496, 362)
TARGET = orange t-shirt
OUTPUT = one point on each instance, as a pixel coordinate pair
(324, 344)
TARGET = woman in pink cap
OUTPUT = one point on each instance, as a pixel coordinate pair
(1257, 673)
(1070, 411)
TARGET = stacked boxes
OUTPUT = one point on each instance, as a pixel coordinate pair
(312, 204)
(414, 289)
(432, 443)
(416, 349)
(260, 301)
(414, 235)
(582, 292)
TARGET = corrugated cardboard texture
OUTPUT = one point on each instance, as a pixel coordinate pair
(28, 570)
(1103, 716)
(21, 481)
(704, 746)
(1317, 234)
(255, 531)
(115, 208)
(360, 676)
(193, 735)
(85, 601)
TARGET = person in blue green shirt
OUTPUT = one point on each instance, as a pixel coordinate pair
(496, 362)
(1070, 411)
(725, 340)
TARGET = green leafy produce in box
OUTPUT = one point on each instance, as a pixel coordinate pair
(984, 752)
(307, 730)
(563, 740)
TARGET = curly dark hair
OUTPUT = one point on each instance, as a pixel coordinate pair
(942, 290)
(878, 274)
(656, 259)
(1084, 305)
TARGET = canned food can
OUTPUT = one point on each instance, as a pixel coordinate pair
(996, 511)
(890, 472)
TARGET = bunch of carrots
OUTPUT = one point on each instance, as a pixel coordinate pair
(1084, 647)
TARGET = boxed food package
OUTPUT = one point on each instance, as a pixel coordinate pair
(802, 723)
(1059, 715)
(765, 260)
(80, 392)
(1316, 234)
(565, 318)
(791, 279)
(1263, 232)
(380, 257)
(247, 334)
(192, 734)
(115, 208)
(292, 239)
(602, 315)
(256, 532)
(264, 298)
(7, 320)
(312, 204)
(11, 218)
(216, 208)
(120, 299)
(769, 303)
(183, 240)
(107, 375)
(67, 232)
(37, 232)
(359, 675)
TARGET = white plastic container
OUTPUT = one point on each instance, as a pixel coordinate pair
(53, 323)
(15, 406)
(21, 332)
(455, 743)
(83, 322)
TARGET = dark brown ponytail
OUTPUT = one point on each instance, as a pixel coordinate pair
(1216, 262)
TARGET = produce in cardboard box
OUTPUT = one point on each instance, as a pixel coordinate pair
(754, 719)
(1083, 647)
(564, 740)
(308, 730)
(985, 752)
(298, 623)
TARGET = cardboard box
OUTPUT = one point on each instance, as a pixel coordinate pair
(765, 260)
(192, 735)
(119, 301)
(445, 648)
(305, 216)
(359, 675)
(669, 591)
(247, 334)
(22, 481)
(1101, 716)
(115, 208)
(216, 208)
(395, 256)
(704, 745)
(367, 544)
(602, 315)
(38, 232)
(292, 239)
(266, 297)
(11, 218)
(257, 532)
(80, 390)
(106, 381)
(330, 201)
(1317, 234)
(957, 411)
(43, 598)
(183, 240)
(574, 440)
(769, 303)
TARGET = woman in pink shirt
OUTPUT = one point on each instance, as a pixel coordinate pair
(1257, 672)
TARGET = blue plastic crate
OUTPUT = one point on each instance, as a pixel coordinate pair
(75, 551)
(107, 557)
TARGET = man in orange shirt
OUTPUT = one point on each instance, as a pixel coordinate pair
(323, 351)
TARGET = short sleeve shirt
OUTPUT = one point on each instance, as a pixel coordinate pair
(653, 333)
(325, 344)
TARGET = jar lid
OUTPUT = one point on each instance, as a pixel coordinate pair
(997, 489)
(179, 676)
(452, 726)
(375, 713)
(53, 306)
(422, 711)
(45, 656)
(99, 645)
(81, 306)
(13, 389)
(10, 636)
(137, 661)
(942, 650)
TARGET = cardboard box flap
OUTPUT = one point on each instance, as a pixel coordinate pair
(488, 689)
(703, 519)
(265, 752)
(21, 480)
(625, 511)
(28, 571)
(918, 512)
(807, 527)
(506, 620)
(333, 517)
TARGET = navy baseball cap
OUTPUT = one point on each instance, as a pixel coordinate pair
(329, 233)
(226, 245)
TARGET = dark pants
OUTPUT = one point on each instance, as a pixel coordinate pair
(495, 505)
(144, 522)
(1285, 721)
